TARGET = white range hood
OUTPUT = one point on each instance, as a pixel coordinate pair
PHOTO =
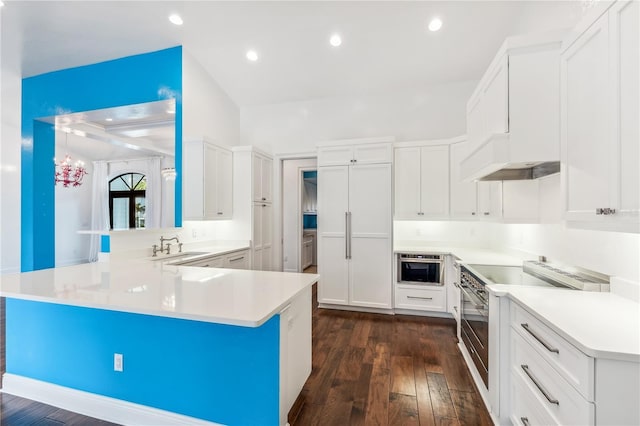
(513, 116)
(497, 159)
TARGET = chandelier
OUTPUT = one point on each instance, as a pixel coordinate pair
(68, 173)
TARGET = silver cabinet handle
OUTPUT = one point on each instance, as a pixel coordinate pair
(456, 284)
(419, 298)
(525, 421)
(264, 199)
(455, 308)
(219, 212)
(236, 259)
(486, 213)
(542, 390)
(605, 211)
(473, 213)
(539, 339)
(349, 216)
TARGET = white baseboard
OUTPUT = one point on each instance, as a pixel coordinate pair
(431, 314)
(356, 308)
(93, 405)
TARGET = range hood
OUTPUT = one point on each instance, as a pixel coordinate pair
(500, 158)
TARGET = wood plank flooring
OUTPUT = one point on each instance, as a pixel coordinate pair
(371, 369)
(15, 411)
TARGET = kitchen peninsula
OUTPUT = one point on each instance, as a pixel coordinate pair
(196, 344)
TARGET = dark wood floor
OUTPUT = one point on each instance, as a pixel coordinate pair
(371, 369)
(15, 411)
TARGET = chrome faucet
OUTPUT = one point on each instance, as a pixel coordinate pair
(162, 247)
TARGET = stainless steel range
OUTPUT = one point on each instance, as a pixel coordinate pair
(474, 325)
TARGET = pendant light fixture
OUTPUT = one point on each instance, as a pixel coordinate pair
(67, 173)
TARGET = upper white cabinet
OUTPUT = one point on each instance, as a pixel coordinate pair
(490, 200)
(513, 114)
(421, 182)
(262, 176)
(463, 195)
(600, 121)
(366, 151)
(207, 181)
(600, 116)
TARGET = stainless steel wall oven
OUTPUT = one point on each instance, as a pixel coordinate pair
(420, 269)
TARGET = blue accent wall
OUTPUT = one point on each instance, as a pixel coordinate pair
(309, 221)
(105, 244)
(215, 372)
(132, 80)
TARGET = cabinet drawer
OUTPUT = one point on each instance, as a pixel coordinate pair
(526, 410)
(550, 389)
(576, 367)
(424, 299)
(237, 260)
(209, 262)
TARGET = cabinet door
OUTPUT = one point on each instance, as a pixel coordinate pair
(625, 77)
(267, 236)
(495, 99)
(335, 155)
(371, 252)
(463, 194)
(434, 181)
(333, 206)
(224, 184)
(372, 153)
(267, 181)
(257, 237)
(407, 183)
(237, 260)
(210, 184)
(586, 146)
(193, 180)
(490, 200)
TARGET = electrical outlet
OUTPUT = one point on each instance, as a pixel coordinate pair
(194, 234)
(118, 362)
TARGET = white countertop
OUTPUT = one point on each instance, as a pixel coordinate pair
(614, 333)
(469, 255)
(226, 296)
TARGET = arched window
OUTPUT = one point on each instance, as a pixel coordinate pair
(127, 201)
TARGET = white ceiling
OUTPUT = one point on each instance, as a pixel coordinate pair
(386, 45)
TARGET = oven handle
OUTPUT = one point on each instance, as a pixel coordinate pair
(481, 306)
(407, 260)
(473, 332)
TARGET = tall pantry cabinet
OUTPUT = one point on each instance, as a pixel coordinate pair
(355, 224)
(253, 202)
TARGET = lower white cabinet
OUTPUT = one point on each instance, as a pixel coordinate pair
(538, 377)
(295, 350)
(427, 298)
(262, 236)
(307, 251)
(239, 259)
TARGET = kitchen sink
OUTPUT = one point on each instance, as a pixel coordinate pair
(179, 256)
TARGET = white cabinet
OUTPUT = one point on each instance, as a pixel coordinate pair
(463, 195)
(341, 154)
(490, 200)
(207, 182)
(238, 260)
(421, 182)
(354, 235)
(452, 280)
(234, 260)
(262, 236)
(252, 202)
(295, 350)
(600, 135)
(307, 251)
(262, 171)
(421, 298)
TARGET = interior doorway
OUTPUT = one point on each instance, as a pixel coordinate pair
(299, 214)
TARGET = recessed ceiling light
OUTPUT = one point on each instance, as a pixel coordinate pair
(252, 55)
(335, 40)
(108, 119)
(1, 3)
(435, 24)
(176, 19)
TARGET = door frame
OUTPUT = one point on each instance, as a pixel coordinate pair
(301, 171)
(278, 200)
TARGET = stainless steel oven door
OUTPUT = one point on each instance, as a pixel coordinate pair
(420, 269)
(474, 329)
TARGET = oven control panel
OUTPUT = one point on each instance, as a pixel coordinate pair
(470, 281)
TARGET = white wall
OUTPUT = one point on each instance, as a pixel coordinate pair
(550, 15)
(424, 113)
(292, 211)
(207, 112)
(10, 137)
(73, 213)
